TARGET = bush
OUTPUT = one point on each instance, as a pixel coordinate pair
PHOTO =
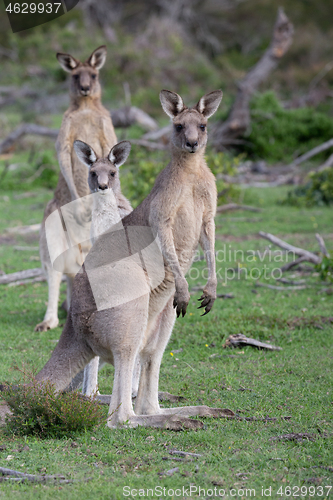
(224, 164)
(317, 191)
(277, 134)
(37, 409)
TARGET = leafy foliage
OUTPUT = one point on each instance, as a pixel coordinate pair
(38, 410)
(224, 164)
(278, 133)
(325, 269)
(317, 191)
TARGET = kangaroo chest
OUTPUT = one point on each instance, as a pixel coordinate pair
(197, 204)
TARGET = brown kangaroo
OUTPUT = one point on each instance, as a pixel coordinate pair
(122, 305)
(86, 119)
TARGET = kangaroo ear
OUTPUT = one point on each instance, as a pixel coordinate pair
(172, 103)
(97, 58)
(119, 153)
(209, 103)
(67, 62)
(85, 153)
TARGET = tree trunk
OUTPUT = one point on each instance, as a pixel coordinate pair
(239, 118)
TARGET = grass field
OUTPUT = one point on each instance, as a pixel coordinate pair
(239, 458)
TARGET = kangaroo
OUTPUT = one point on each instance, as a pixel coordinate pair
(88, 120)
(117, 311)
(109, 207)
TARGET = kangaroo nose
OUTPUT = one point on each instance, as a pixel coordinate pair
(85, 89)
(191, 145)
(102, 186)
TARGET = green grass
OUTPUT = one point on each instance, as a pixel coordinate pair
(295, 382)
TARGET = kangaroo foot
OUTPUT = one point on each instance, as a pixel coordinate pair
(47, 325)
(201, 411)
(105, 399)
(171, 422)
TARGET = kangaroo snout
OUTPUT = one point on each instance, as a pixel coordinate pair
(85, 90)
(191, 146)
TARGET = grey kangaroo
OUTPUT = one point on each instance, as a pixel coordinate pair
(127, 316)
(86, 119)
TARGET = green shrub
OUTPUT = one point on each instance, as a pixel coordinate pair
(317, 191)
(325, 269)
(277, 134)
(37, 409)
(224, 164)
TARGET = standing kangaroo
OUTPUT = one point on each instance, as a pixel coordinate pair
(86, 119)
(109, 207)
(126, 316)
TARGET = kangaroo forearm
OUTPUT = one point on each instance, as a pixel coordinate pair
(169, 253)
(207, 242)
(65, 164)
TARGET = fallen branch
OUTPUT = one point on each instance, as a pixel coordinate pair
(240, 340)
(313, 152)
(234, 206)
(25, 249)
(311, 257)
(21, 275)
(184, 453)
(328, 163)
(149, 144)
(294, 436)
(26, 129)
(39, 279)
(170, 472)
(225, 296)
(322, 245)
(16, 475)
(285, 281)
(290, 265)
(239, 117)
(22, 230)
(130, 115)
(14, 93)
(121, 118)
(280, 288)
(163, 132)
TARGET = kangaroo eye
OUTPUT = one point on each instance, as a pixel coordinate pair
(178, 127)
(203, 127)
(93, 77)
(76, 77)
(93, 174)
(112, 174)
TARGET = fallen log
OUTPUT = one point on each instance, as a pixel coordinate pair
(311, 257)
(240, 340)
(121, 118)
(234, 206)
(280, 288)
(290, 265)
(313, 152)
(322, 245)
(150, 144)
(130, 115)
(22, 230)
(26, 129)
(20, 275)
(21, 476)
